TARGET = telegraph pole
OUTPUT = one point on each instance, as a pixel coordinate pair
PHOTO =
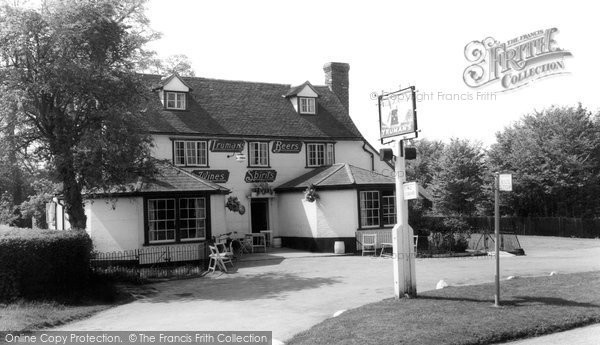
(405, 283)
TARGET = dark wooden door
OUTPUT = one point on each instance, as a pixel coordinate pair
(259, 212)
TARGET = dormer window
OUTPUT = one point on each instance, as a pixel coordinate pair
(175, 100)
(303, 98)
(307, 105)
(173, 92)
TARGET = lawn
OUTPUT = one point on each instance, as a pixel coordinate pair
(25, 315)
(465, 315)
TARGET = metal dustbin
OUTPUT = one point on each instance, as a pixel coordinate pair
(339, 247)
(276, 242)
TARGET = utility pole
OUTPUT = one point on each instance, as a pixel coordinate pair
(405, 283)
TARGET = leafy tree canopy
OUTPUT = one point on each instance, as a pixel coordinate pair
(69, 67)
(555, 157)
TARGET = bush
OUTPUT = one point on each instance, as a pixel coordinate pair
(37, 264)
(448, 234)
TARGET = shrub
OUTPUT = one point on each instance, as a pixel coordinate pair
(37, 264)
(448, 234)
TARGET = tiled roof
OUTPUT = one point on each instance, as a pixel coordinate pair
(337, 175)
(168, 178)
(236, 108)
(172, 179)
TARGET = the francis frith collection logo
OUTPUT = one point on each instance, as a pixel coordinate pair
(516, 62)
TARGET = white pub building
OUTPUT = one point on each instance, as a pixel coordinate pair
(263, 145)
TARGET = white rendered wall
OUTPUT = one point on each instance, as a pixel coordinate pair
(337, 213)
(297, 217)
(115, 229)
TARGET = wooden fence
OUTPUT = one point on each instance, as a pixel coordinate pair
(539, 226)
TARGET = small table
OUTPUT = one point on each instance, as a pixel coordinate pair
(383, 248)
(268, 234)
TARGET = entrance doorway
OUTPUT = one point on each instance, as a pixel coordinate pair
(259, 214)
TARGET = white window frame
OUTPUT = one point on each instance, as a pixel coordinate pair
(178, 99)
(258, 154)
(153, 220)
(329, 154)
(370, 217)
(199, 219)
(319, 154)
(307, 105)
(388, 206)
(195, 153)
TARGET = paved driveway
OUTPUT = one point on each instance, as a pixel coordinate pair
(291, 293)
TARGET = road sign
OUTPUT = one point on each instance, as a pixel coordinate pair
(398, 114)
(411, 190)
(505, 182)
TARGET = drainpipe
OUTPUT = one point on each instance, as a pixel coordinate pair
(371, 153)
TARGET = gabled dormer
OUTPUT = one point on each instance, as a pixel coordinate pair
(303, 98)
(174, 93)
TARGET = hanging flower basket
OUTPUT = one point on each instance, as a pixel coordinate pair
(310, 194)
(233, 204)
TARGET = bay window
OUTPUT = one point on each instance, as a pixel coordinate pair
(172, 220)
(377, 208)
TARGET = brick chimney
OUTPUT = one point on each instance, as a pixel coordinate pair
(336, 77)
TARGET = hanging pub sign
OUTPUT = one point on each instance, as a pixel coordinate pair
(398, 114)
(286, 146)
(216, 176)
(253, 176)
(227, 145)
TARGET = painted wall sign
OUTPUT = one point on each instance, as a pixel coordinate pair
(227, 145)
(286, 146)
(216, 176)
(260, 176)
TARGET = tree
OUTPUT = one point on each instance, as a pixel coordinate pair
(554, 155)
(178, 63)
(457, 181)
(70, 67)
(423, 167)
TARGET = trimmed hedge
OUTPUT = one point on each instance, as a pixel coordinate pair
(38, 264)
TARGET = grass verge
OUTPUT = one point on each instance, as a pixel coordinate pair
(25, 315)
(30, 315)
(465, 315)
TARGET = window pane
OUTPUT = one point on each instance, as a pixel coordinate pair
(192, 214)
(329, 158)
(202, 153)
(161, 219)
(369, 208)
(179, 153)
(190, 153)
(311, 105)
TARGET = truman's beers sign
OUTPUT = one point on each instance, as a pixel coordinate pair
(516, 62)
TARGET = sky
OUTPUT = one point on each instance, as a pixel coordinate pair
(389, 45)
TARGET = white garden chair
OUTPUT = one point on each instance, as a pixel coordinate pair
(369, 244)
